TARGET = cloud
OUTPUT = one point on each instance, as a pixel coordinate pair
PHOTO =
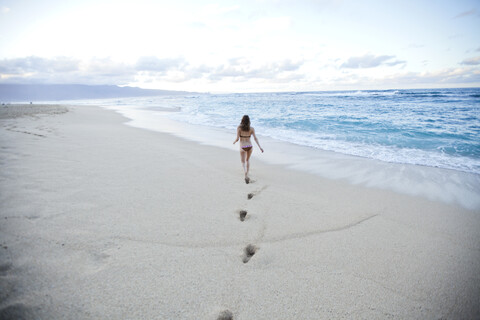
(106, 71)
(147, 69)
(471, 61)
(37, 64)
(451, 77)
(159, 65)
(176, 72)
(65, 70)
(5, 10)
(370, 61)
(396, 62)
(465, 13)
(242, 69)
(441, 77)
(289, 65)
(93, 71)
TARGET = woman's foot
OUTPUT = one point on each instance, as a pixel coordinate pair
(247, 179)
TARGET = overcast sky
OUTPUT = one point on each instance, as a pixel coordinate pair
(242, 46)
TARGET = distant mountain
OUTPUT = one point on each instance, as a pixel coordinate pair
(49, 92)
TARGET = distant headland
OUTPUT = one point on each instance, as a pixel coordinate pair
(54, 92)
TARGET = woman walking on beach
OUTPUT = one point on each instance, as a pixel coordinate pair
(244, 132)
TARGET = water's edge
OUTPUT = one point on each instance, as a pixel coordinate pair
(436, 184)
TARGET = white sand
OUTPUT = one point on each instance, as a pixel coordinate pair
(104, 221)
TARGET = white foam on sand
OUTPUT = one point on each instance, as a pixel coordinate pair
(437, 184)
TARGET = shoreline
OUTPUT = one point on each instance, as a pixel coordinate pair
(436, 184)
(103, 220)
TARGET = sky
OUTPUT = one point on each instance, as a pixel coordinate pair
(242, 46)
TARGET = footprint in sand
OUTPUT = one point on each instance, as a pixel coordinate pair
(249, 252)
(243, 214)
(225, 315)
(252, 194)
(250, 180)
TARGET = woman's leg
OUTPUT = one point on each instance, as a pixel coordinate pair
(248, 154)
(243, 157)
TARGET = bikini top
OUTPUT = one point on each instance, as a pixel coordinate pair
(245, 136)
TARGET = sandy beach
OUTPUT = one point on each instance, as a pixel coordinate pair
(100, 220)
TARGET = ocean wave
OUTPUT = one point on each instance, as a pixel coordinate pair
(387, 153)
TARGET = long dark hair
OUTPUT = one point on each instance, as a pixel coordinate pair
(245, 124)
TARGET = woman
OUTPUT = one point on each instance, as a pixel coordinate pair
(244, 132)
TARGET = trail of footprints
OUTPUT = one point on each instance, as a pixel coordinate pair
(248, 252)
(251, 249)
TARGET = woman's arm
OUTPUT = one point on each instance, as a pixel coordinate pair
(238, 135)
(256, 140)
